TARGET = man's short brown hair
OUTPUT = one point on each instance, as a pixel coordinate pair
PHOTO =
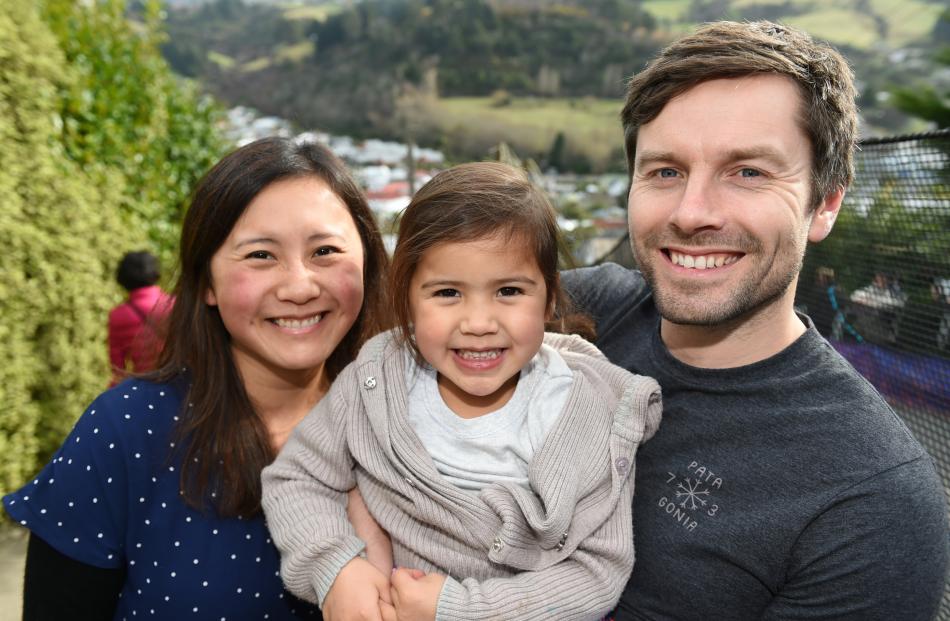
(732, 50)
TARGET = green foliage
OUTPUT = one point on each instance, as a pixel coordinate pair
(125, 111)
(98, 147)
(923, 100)
(59, 247)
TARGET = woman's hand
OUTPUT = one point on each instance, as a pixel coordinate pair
(415, 594)
(379, 550)
(357, 593)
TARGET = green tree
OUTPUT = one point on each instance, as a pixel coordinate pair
(59, 248)
(99, 145)
(923, 100)
(125, 111)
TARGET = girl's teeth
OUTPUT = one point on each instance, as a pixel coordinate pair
(297, 324)
(479, 355)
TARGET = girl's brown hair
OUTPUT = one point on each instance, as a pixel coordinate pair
(476, 201)
(221, 440)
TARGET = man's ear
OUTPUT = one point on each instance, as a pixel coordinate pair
(824, 216)
(210, 298)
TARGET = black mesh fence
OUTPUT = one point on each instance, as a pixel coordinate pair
(879, 286)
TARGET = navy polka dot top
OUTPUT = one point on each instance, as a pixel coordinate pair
(110, 498)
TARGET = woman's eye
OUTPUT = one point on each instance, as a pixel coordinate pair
(323, 251)
(258, 254)
(509, 291)
(446, 293)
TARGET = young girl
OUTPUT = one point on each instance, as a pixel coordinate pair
(496, 456)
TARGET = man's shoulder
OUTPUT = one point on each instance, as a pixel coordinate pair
(603, 275)
(604, 286)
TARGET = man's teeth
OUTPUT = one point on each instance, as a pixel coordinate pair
(297, 324)
(468, 354)
(702, 262)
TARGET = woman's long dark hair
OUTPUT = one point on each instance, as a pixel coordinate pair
(222, 442)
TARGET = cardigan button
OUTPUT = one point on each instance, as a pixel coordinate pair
(497, 544)
(370, 382)
(622, 464)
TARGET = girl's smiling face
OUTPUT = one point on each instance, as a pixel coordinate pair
(478, 310)
(288, 281)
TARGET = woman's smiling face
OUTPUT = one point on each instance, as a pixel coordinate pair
(288, 280)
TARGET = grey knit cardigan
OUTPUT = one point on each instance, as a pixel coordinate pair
(562, 550)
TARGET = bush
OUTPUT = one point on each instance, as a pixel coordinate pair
(89, 168)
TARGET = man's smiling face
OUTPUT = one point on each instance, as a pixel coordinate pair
(719, 205)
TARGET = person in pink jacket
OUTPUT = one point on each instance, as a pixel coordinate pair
(135, 336)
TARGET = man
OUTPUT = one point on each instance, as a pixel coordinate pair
(779, 485)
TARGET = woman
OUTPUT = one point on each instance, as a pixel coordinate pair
(152, 505)
(134, 334)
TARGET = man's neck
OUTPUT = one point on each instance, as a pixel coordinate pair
(743, 341)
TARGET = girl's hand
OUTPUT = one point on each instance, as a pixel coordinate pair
(357, 593)
(379, 550)
(415, 594)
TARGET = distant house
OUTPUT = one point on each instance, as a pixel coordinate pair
(390, 199)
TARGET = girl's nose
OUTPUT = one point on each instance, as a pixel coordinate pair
(479, 320)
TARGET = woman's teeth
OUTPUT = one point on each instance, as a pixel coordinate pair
(297, 324)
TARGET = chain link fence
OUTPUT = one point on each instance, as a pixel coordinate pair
(879, 286)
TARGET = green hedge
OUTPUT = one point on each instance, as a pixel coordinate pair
(89, 169)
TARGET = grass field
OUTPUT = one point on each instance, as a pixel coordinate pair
(310, 12)
(835, 21)
(591, 127)
(671, 10)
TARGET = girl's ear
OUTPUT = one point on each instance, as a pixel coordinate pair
(549, 312)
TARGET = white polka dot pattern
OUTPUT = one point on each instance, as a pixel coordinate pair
(110, 498)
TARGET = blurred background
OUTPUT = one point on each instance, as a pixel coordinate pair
(110, 110)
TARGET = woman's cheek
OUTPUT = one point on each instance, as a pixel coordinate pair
(349, 285)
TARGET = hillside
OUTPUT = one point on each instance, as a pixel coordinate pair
(394, 68)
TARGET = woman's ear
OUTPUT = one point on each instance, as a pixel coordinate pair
(824, 216)
(210, 298)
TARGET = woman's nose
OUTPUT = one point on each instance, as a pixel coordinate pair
(299, 284)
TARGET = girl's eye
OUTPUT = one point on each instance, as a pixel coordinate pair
(667, 173)
(258, 254)
(323, 251)
(509, 291)
(446, 293)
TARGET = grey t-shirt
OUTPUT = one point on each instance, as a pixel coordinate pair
(497, 447)
(785, 489)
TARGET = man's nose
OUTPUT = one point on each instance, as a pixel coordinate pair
(699, 207)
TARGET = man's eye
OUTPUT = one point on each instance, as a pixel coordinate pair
(446, 293)
(509, 291)
(667, 173)
(749, 173)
